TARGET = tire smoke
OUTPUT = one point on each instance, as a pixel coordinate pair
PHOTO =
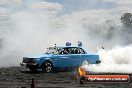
(116, 60)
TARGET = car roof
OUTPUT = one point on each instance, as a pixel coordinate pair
(65, 47)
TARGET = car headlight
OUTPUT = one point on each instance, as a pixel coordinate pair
(29, 60)
(32, 60)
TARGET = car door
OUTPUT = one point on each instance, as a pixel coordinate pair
(76, 57)
(90, 58)
(63, 60)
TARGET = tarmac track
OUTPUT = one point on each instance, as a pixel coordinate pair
(18, 77)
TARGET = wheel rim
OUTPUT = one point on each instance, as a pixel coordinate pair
(48, 67)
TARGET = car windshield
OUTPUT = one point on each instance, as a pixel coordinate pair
(52, 50)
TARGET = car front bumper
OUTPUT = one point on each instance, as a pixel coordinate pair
(28, 65)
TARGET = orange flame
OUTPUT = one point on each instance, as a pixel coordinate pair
(81, 71)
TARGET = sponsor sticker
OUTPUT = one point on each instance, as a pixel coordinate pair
(107, 78)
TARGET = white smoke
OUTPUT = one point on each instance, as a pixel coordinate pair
(118, 59)
(32, 30)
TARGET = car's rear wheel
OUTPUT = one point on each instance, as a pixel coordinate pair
(47, 67)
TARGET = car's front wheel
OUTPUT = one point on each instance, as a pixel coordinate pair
(47, 67)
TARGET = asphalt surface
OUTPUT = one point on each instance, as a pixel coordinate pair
(19, 77)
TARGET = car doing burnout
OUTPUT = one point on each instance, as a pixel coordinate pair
(59, 57)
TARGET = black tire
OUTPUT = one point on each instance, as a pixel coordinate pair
(47, 67)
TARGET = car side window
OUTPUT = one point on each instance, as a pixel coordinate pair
(74, 51)
(81, 51)
(64, 51)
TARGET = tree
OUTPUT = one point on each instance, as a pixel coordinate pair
(126, 19)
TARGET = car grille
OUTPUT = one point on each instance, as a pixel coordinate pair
(28, 60)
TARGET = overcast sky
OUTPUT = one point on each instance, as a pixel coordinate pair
(85, 12)
(70, 6)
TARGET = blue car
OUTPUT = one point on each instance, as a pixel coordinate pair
(59, 57)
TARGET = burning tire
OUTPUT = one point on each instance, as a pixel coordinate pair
(80, 76)
(47, 67)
